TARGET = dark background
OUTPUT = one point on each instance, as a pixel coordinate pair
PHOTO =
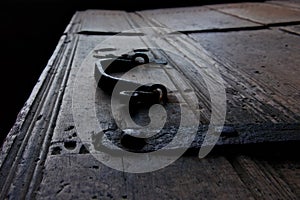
(29, 33)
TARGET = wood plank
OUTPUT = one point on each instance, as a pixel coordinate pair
(259, 113)
(65, 138)
(260, 12)
(189, 178)
(290, 4)
(292, 29)
(194, 19)
(104, 21)
(51, 151)
(262, 179)
(288, 171)
(266, 63)
(29, 147)
(82, 176)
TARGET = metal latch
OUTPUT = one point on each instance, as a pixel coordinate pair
(144, 94)
(140, 95)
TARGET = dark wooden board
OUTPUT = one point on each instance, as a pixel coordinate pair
(81, 176)
(292, 29)
(267, 61)
(45, 156)
(195, 19)
(104, 21)
(290, 4)
(93, 179)
(260, 12)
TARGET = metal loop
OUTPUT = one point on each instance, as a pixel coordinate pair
(145, 94)
(162, 90)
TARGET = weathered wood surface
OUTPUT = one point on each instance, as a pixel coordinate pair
(260, 12)
(292, 29)
(115, 21)
(290, 4)
(195, 19)
(44, 156)
(265, 63)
